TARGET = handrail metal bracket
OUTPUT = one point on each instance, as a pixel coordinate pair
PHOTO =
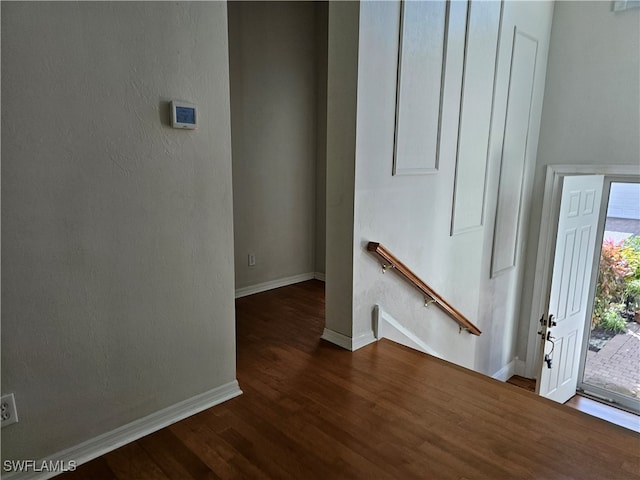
(461, 329)
(389, 261)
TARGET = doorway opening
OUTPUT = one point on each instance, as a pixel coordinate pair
(545, 332)
(610, 361)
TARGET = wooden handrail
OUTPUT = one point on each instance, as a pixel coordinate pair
(390, 261)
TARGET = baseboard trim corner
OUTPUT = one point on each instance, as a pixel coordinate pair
(506, 372)
(363, 340)
(336, 338)
(348, 343)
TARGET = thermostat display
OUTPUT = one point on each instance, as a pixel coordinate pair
(183, 115)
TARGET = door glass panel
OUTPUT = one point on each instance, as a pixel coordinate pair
(613, 359)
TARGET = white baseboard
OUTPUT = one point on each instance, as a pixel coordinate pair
(319, 276)
(336, 338)
(363, 340)
(388, 327)
(506, 372)
(109, 441)
(281, 282)
(514, 367)
(348, 343)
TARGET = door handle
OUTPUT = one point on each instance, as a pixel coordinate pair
(551, 322)
(548, 357)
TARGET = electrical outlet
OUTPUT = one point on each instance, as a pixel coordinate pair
(252, 259)
(9, 413)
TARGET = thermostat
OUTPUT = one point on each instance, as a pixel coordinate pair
(184, 115)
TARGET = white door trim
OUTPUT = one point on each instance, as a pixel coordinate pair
(546, 244)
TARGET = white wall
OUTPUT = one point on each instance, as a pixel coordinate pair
(412, 214)
(274, 105)
(502, 288)
(342, 80)
(590, 114)
(117, 248)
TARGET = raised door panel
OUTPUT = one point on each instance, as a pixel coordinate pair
(483, 24)
(574, 256)
(423, 31)
(513, 158)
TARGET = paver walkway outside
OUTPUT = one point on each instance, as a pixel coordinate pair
(616, 366)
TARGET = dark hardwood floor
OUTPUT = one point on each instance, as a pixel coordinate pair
(311, 410)
(522, 382)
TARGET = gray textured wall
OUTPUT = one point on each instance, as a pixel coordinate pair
(274, 83)
(117, 247)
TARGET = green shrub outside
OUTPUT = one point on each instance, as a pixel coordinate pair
(613, 321)
(633, 289)
(611, 289)
(630, 252)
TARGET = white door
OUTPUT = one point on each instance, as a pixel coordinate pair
(566, 317)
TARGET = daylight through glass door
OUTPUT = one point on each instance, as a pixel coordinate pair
(611, 366)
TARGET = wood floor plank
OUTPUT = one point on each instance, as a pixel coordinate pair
(311, 410)
(222, 458)
(522, 382)
(174, 458)
(131, 461)
(98, 469)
